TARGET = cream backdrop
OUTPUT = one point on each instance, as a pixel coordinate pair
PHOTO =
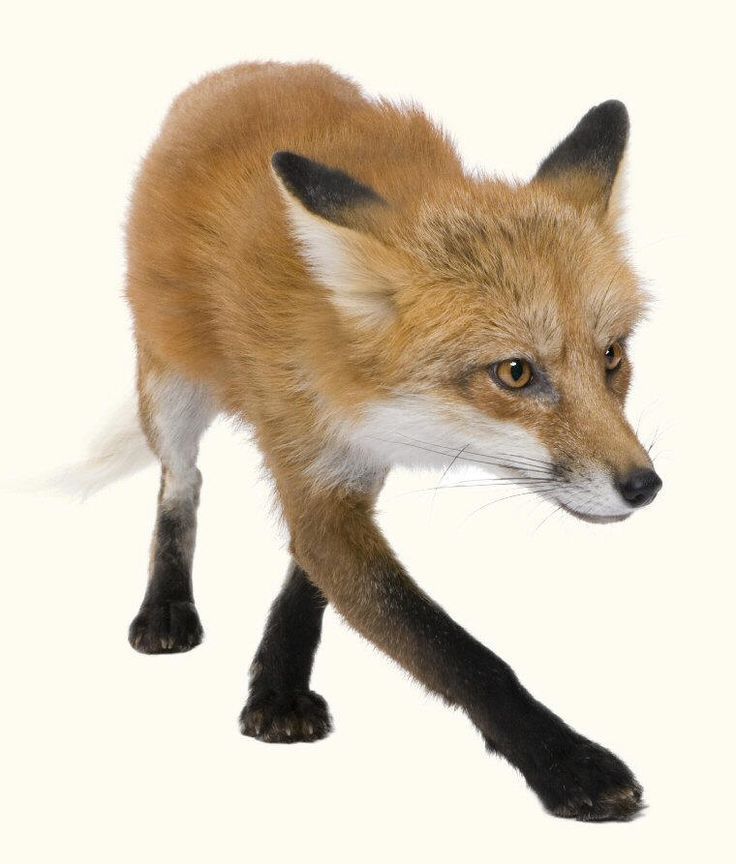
(625, 630)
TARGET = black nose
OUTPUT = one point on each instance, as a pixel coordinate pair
(640, 487)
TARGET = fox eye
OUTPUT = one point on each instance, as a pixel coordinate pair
(614, 355)
(514, 373)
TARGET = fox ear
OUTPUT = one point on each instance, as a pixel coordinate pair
(585, 165)
(325, 192)
(328, 210)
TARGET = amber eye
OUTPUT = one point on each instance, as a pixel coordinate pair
(614, 355)
(513, 374)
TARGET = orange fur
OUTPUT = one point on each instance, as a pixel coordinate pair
(477, 270)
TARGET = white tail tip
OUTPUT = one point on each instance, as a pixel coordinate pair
(120, 449)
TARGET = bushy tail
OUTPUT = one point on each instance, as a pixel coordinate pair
(120, 449)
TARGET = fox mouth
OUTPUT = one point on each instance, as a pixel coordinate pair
(590, 517)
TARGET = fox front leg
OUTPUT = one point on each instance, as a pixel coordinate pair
(281, 708)
(336, 540)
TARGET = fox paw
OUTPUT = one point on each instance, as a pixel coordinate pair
(587, 782)
(285, 718)
(166, 628)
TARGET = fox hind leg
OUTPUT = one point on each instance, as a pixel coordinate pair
(174, 414)
(281, 708)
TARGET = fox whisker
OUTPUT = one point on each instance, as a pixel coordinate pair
(498, 501)
(445, 473)
(534, 484)
(655, 438)
(435, 450)
(463, 454)
(552, 513)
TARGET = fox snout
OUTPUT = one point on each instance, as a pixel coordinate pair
(639, 487)
(604, 471)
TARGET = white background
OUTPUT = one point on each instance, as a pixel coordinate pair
(625, 630)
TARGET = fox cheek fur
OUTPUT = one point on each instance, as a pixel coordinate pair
(318, 265)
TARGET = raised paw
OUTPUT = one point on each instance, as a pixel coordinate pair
(285, 718)
(584, 781)
(166, 628)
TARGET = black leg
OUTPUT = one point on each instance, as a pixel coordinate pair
(281, 708)
(342, 549)
(168, 622)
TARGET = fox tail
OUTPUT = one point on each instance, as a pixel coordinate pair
(118, 450)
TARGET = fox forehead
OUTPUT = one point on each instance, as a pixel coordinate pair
(526, 272)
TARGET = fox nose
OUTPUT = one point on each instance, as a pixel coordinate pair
(640, 487)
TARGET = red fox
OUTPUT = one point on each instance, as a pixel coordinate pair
(319, 264)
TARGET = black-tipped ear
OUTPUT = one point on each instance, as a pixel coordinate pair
(589, 158)
(324, 191)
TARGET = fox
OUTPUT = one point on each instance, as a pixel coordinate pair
(317, 263)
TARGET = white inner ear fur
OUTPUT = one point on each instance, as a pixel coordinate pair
(340, 260)
(616, 209)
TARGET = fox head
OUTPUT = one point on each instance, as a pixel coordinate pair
(492, 318)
